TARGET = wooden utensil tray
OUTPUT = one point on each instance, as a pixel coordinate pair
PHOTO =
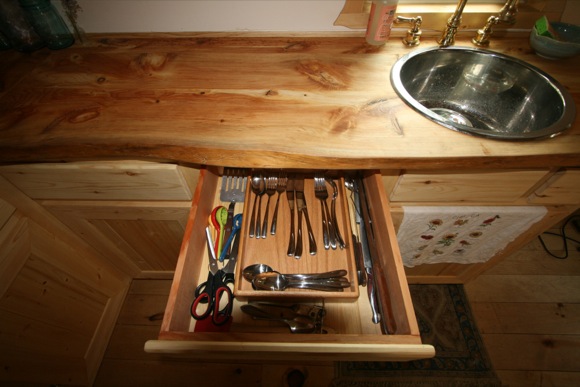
(272, 250)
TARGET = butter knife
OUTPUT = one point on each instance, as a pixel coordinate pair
(290, 197)
(303, 212)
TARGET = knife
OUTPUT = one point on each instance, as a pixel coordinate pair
(380, 280)
(358, 260)
(290, 197)
(303, 212)
(367, 261)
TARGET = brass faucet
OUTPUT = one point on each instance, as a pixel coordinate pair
(414, 33)
(453, 23)
(508, 12)
(506, 15)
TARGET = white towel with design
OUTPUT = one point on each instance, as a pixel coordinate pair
(461, 234)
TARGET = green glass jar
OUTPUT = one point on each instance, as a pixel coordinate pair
(47, 23)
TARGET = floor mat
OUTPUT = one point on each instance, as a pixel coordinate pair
(445, 321)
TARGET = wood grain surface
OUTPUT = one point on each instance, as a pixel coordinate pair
(231, 100)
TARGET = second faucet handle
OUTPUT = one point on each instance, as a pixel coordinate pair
(414, 33)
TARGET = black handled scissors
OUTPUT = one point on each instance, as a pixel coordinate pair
(213, 292)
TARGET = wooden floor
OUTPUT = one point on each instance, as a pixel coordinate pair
(527, 309)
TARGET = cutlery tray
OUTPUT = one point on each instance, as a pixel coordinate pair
(272, 250)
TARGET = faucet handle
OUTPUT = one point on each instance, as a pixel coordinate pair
(414, 33)
(482, 37)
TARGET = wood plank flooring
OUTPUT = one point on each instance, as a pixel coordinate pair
(527, 309)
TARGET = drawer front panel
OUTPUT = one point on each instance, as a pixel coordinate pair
(351, 335)
(130, 180)
(474, 186)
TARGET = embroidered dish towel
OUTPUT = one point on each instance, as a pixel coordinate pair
(461, 234)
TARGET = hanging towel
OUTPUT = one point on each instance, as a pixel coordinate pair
(461, 234)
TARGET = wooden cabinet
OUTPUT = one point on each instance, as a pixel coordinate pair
(556, 190)
(354, 336)
(72, 236)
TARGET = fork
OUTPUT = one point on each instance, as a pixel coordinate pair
(339, 239)
(328, 233)
(280, 188)
(271, 188)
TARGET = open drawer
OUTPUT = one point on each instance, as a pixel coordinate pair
(352, 334)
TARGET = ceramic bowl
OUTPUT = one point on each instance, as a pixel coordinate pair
(567, 47)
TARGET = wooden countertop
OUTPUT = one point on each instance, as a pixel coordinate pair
(231, 100)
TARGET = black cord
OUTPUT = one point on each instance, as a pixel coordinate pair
(563, 236)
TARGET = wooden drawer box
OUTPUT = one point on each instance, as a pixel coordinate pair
(354, 336)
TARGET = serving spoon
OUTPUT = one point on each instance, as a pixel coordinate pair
(252, 271)
(279, 282)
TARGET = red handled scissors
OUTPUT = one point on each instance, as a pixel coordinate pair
(214, 292)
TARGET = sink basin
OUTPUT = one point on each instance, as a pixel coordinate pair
(483, 93)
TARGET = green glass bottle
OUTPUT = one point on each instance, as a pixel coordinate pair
(15, 27)
(47, 23)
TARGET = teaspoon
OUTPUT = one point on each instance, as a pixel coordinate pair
(258, 188)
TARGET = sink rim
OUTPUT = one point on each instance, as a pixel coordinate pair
(564, 122)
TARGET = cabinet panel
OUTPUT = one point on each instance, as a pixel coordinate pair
(470, 186)
(562, 188)
(51, 313)
(138, 237)
(118, 180)
(58, 298)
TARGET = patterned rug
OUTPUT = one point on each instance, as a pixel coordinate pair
(445, 321)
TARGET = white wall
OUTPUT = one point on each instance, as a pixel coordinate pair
(208, 15)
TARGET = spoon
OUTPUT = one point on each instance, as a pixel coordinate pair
(236, 226)
(258, 188)
(276, 282)
(217, 228)
(221, 217)
(251, 271)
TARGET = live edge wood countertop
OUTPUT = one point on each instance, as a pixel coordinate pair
(253, 101)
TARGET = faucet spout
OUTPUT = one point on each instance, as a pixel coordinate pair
(453, 23)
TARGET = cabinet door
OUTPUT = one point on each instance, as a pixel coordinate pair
(140, 238)
(58, 299)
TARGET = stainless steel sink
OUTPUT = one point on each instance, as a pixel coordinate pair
(483, 93)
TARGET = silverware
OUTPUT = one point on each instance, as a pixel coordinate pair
(233, 190)
(271, 187)
(303, 212)
(339, 240)
(275, 281)
(297, 323)
(290, 197)
(328, 233)
(353, 185)
(251, 271)
(379, 279)
(280, 188)
(258, 188)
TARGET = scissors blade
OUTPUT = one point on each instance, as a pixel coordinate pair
(213, 263)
